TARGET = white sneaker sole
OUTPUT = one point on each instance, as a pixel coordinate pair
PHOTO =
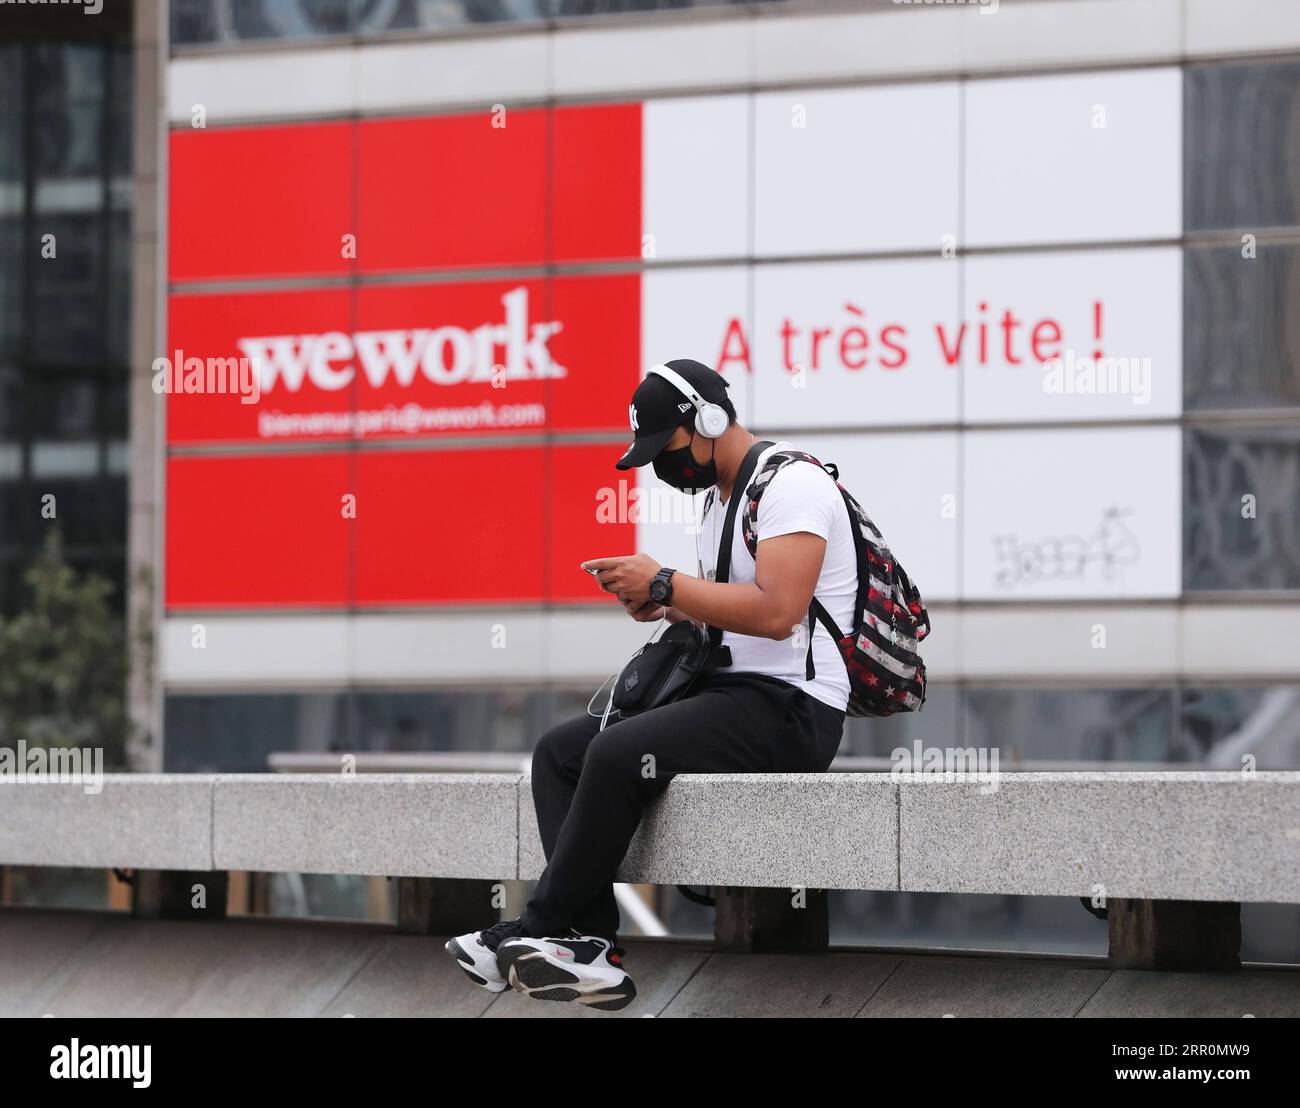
(482, 971)
(542, 976)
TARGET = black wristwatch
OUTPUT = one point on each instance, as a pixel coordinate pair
(661, 586)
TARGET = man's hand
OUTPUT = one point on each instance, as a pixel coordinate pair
(627, 577)
(649, 612)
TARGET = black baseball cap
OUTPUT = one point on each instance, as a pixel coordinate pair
(658, 408)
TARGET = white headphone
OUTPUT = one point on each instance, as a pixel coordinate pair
(710, 419)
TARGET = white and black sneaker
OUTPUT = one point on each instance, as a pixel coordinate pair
(476, 953)
(584, 968)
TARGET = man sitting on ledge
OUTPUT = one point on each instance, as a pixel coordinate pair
(778, 707)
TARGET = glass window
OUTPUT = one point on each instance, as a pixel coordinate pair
(120, 108)
(563, 8)
(117, 299)
(195, 22)
(64, 321)
(199, 21)
(69, 292)
(69, 155)
(1241, 486)
(11, 277)
(1222, 726)
(11, 378)
(11, 121)
(879, 738)
(231, 734)
(62, 407)
(500, 720)
(1241, 136)
(83, 506)
(1070, 725)
(12, 566)
(375, 18)
(13, 170)
(1241, 345)
(114, 410)
(64, 73)
(237, 732)
(331, 896)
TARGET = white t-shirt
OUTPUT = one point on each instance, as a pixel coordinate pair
(801, 497)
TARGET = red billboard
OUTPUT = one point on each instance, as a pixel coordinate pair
(280, 389)
(401, 361)
(514, 187)
(388, 528)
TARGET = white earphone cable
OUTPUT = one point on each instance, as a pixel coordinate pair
(604, 717)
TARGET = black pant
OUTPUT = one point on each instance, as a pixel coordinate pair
(590, 787)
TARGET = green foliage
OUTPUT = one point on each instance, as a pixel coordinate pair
(63, 662)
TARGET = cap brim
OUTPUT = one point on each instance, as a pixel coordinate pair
(644, 448)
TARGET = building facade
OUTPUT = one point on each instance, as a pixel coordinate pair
(1027, 274)
(335, 373)
(65, 261)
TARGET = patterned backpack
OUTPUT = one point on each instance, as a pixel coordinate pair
(886, 674)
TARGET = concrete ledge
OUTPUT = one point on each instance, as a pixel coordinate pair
(827, 831)
(1155, 836)
(409, 825)
(137, 821)
(1196, 836)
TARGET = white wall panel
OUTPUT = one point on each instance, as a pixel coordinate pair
(907, 483)
(415, 648)
(685, 314)
(259, 85)
(850, 170)
(1214, 27)
(807, 315)
(1057, 641)
(1152, 641)
(778, 47)
(668, 522)
(1020, 35)
(257, 650)
(1038, 169)
(479, 72)
(617, 60)
(820, 47)
(1254, 641)
(688, 313)
(1089, 514)
(697, 176)
(1055, 296)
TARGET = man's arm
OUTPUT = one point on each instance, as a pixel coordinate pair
(785, 576)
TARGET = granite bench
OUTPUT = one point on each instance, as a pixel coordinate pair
(1172, 855)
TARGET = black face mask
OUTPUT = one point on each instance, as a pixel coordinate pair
(680, 469)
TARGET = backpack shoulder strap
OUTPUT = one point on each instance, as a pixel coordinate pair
(722, 574)
(774, 464)
(771, 467)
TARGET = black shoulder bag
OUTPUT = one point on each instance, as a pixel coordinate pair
(666, 667)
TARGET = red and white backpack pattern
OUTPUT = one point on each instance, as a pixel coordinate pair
(886, 673)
